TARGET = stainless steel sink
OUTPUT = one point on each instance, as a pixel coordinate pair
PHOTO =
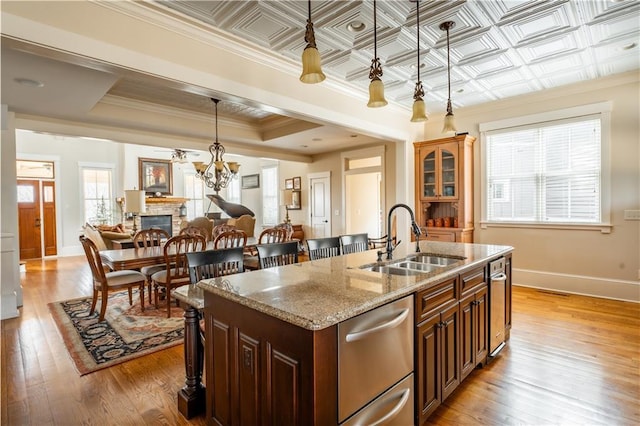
(429, 259)
(413, 265)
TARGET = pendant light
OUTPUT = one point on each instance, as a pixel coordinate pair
(419, 109)
(218, 173)
(311, 68)
(376, 87)
(449, 120)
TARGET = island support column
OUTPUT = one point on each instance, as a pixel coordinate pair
(191, 398)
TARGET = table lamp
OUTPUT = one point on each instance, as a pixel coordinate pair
(287, 200)
(134, 203)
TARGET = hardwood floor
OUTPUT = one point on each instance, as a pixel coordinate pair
(570, 360)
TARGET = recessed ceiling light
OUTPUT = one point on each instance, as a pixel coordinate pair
(422, 66)
(356, 26)
(353, 136)
(316, 139)
(629, 46)
(460, 90)
(28, 82)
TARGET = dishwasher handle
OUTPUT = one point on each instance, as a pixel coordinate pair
(404, 397)
(499, 277)
(351, 337)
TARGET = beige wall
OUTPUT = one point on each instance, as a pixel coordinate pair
(582, 261)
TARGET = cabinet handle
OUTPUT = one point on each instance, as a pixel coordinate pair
(351, 337)
(440, 324)
(394, 411)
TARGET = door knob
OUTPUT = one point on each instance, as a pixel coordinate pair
(37, 222)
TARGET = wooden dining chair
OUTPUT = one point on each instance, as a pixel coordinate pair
(320, 248)
(105, 282)
(229, 239)
(219, 229)
(176, 272)
(277, 254)
(152, 237)
(214, 263)
(354, 243)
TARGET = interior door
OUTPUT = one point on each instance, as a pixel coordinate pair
(320, 206)
(29, 221)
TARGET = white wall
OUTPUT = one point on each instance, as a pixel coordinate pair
(580, 261)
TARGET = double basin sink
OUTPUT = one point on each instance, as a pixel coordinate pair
(413, 265)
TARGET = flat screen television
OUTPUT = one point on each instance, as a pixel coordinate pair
(162, 221)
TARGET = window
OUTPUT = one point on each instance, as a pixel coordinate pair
(97, 190)
(270, 195)
(233, 191)
(547, 172)
(194, 191)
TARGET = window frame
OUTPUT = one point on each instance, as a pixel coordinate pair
(272, 185)
(603, 109)
(111, 168)
(189, 178)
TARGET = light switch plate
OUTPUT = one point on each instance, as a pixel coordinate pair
(632, 215)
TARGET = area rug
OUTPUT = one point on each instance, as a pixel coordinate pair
(125, 334)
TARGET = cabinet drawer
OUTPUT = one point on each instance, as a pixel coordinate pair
(471, 279)
(431, 300)
(444, 236)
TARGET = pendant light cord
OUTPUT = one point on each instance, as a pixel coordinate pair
(418, 35)
(375, 39)
(448, 65)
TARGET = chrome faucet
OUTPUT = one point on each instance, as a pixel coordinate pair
(414, 228)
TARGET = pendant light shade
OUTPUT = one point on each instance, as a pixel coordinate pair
(449, 120)
(376, 87)
(419, 109)
(311, 67)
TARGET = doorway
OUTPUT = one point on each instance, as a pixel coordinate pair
(36, 210)
(363, 177)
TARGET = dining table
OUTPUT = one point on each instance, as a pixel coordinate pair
(136, 258)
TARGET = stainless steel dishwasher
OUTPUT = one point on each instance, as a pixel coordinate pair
(375, 366)
(497, 297)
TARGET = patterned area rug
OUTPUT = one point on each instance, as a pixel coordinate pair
(126, 333)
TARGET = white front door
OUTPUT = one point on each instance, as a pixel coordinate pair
(320, 204)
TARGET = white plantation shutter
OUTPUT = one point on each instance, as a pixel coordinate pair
(545, 173)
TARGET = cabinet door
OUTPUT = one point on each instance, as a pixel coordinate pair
(481, 322)
(448, 171)
(428, 370)
(429, 175)
(450, 330)
(467, 335)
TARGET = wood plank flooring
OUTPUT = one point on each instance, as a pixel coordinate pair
(570, 360)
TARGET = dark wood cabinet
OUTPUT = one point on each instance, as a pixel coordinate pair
(261, 370)
(437, 361)
(437, 365)
(474, 319)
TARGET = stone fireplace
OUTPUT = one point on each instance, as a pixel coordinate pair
(162, 206)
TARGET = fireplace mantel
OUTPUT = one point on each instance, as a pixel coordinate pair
(165, 200)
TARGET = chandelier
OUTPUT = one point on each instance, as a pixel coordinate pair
(218, 173)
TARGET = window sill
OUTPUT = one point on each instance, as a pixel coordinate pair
(604, 228)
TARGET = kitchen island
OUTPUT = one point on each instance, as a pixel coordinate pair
(272, 336)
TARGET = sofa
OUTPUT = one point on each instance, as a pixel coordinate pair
(103, 235)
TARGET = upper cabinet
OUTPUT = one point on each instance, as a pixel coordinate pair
(439, 166)
(444, 188)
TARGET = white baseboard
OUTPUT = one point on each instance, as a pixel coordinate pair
(71, 251)
(578, 284)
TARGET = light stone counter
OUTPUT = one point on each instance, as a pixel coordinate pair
(320, 293)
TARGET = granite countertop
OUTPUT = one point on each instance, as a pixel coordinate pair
(321, 293)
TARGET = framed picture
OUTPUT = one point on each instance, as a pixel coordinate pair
(295, 201)
(288, 184)
(250, 181)
(297, 183)
(155, 176)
